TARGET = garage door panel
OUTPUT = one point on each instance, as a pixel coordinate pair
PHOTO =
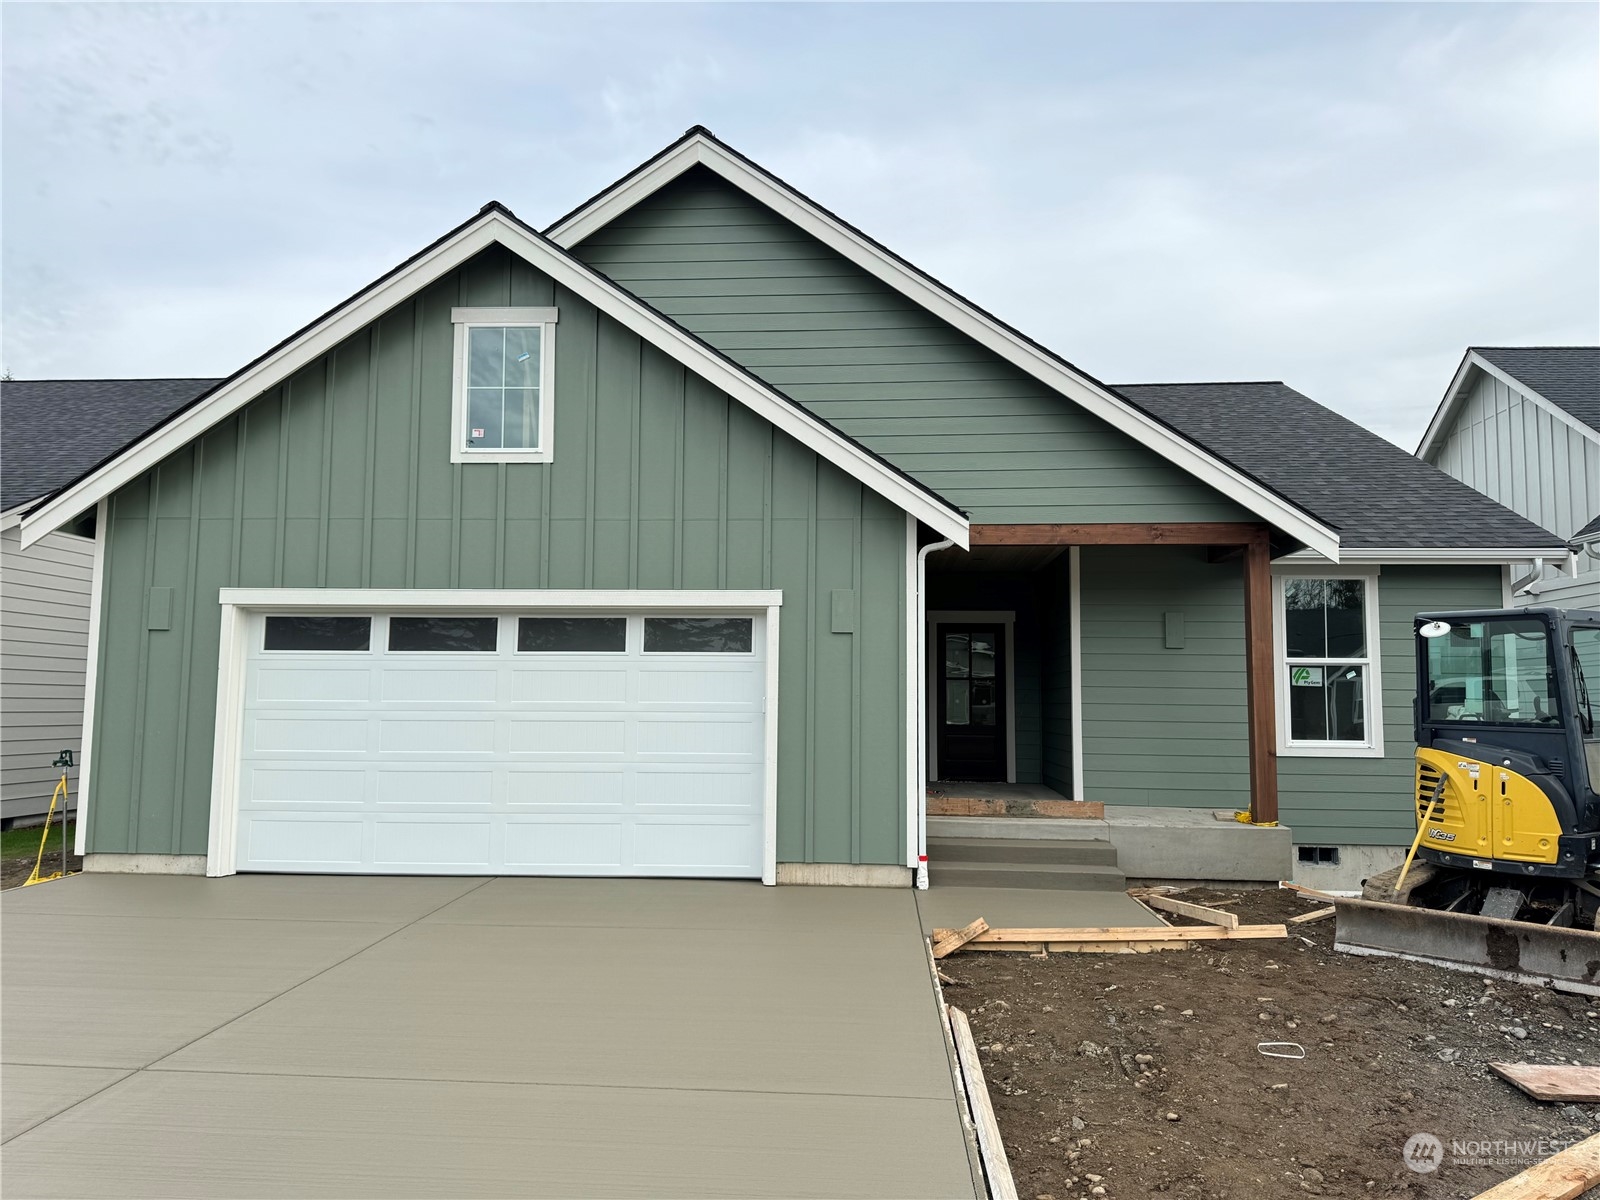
(611, 761)
(322, 734)
(559, 735)
(433, 735)
(306, 787)
(439, 788)
(554, 846)
(589, 789)
(402, 685)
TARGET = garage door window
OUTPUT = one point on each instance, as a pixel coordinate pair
(697, 635)
(452, 635)
(572, 635)
(318, 633)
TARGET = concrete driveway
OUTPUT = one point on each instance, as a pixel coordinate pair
(333, 1036)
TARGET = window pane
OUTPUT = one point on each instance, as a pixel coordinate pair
(982, 656)
(522, 356)
(1327, 704)
(697, 635)
(572, 635)
(985, 710)
(1586, 645)
(483, 418)
(956, 656)
(485, 356)
(957, 702)
(444, 633)
(1347, 628)
(1304, 632)
(1496, 672)
(318, 633)
(521, 428)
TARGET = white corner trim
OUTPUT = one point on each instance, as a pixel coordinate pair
(91, 678)
(1005, 617)
(1075, 649)
(542, 319)
(493, 228)
(915, 786)
(240, 605)
(1373, 698)
(1455, 395)
(948, 306)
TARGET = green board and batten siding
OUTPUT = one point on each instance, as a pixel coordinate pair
(1165, 727)
(342, 478)
(990, 439)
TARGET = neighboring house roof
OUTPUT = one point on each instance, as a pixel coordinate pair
(699, 146)
(1567, 376)
(52, 431)
(494, 224)
(1379, 496)
(1589, 533)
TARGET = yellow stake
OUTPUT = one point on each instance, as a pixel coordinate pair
(1422, 825)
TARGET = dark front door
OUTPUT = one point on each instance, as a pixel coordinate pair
(971, 714)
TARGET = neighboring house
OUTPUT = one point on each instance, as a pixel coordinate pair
(1522, 425)
(694, 535)
(51, 432)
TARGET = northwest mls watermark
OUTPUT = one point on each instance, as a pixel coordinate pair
(1424, 1153)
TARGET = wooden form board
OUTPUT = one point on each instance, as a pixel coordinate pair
(1563, 1176)
(1108, 939)
(991, 1147)
(1567, 1084)
(948, 941)
(1185, 908)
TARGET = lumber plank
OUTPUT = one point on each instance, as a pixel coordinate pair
(948, 941)
(1553, 1082)
(1131, 933)
(991, 1148)
(1563, 1176)
(1316, 914)
(1186, 908)
(1078, 947)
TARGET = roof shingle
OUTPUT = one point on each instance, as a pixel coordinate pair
(1373, 492)
(1567, 376)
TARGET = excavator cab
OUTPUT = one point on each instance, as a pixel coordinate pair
(1508, 752)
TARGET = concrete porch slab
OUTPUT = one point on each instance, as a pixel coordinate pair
(1029, 908)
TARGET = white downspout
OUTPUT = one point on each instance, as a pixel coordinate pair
(1521, 585)
(920, 709)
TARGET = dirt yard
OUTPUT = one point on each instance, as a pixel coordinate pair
(1138, 1075)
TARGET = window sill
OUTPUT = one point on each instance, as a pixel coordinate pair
(458, 455)
(1314, 751)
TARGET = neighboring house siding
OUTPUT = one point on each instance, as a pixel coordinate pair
(342, 478)
(1167, 727)
(992, 440)
(44, 639)
(1521, 454)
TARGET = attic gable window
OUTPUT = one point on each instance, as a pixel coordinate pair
(503, 401)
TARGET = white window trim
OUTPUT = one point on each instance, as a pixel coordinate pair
(242, 608)
(1373, 699)
(542, 319)
(1007, 618)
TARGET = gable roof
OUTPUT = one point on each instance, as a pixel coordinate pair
(1379, 496)
(1563, 380)
(494, 224)
(55, 430)
(1567, 376)
(700, 147)
(1589, 533)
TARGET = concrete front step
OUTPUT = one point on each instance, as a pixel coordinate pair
(1015, 829)
(1021, 850)
(1044, 876)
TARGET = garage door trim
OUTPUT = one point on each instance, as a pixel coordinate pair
(240, 605)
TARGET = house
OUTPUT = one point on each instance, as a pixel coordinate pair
(52, 432)
(1522, 425)
(697, 533)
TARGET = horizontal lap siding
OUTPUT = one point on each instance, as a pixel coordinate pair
(1368, 800)
(1165, 727)
(342, 478)
(981, 433)
(44, 640)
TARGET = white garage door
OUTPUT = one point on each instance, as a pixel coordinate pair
(455, 743)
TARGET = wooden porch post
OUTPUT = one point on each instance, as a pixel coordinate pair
(1259, 691)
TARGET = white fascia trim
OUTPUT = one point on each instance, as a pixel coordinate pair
(490, 599)
(1117, 413)
(490, 229)
(1456, 393)
(1423, 556)
(10, 520)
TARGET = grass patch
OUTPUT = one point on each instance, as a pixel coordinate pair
(14, 843)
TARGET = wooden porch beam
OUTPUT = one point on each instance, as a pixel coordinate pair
(1259, 691)
(1180, 533)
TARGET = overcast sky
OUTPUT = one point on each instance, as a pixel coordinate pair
(1340, 196)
